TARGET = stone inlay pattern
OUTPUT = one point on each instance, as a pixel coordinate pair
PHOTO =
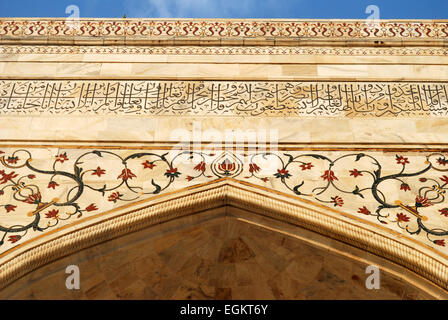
(42, 189)
(233, 50)
(224, 98)
(222, 29)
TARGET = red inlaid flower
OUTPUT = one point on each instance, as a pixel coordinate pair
(306, 166)
(98, 172)
(172, 173)
(52, 214)
(148, 165)
(444, 212)
(53, 185)
(405, 187)
(265, 179)
(402, 217)
(62, 157)
(7, 176)
(422, 202)
(364, 210)
(442, 161)
(440, 242)
(14, 239)
(338, 201)
(401, 160)
(329, 175)
(91, 207)
(282, 173)
(200, 166)
(444, 179)
(227, 166)
(12, 160)
(10, 207)
(33, 198)
(254, 168)
(355, 173)
(31, 176)
(114, 196)
(126, 174)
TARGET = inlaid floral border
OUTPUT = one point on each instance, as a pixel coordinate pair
(41, 189)
(315, 29)
(223, 50)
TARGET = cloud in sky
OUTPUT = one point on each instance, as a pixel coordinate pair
(208, 8)
(292, 9)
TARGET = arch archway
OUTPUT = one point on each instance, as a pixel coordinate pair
(224, 227)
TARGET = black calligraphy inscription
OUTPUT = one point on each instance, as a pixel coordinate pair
(225, 98)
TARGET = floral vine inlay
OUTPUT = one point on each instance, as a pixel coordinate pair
(41, 189)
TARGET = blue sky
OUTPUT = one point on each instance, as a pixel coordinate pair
(344, 9)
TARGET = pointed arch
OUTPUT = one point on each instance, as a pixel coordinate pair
(371, 238)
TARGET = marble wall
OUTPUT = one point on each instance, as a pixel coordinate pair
(92, 120)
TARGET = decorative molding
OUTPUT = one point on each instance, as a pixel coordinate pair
(225, 98)
(234, 50)
(225, 29)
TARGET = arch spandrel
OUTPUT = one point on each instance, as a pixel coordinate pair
(356, 112)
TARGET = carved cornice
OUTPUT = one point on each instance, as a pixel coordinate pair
(239, 32)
